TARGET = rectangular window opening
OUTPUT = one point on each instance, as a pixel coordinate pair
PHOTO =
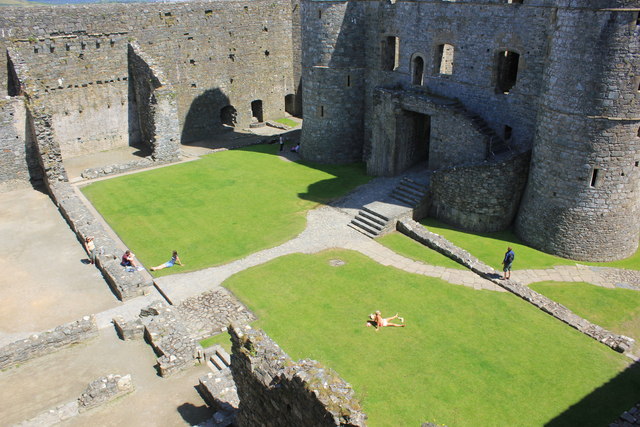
(508, 132)
(594, 177)
(444, 59)
(507, 72)
(348, 80)
(319, 13)
(322, 111)
(390, 53)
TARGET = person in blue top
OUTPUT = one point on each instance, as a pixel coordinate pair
(506, 262)
(175, 259)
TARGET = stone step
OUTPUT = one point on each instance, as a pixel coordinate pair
(217, 362)
(410, 191)
(361, 230)
(223, 355)
(368, 223)
(402, 200)
(413, 184)
(379, 215)
(405, 196)
(363, 226)
(370, 217)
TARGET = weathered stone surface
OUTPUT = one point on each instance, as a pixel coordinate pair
(103, 390)
(438, 243)
(128, 330)
(48, 341)
(273, 390)
(219, 390)
(628, 418)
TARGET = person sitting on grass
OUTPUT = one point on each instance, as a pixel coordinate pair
(175, 259)
(380, 322)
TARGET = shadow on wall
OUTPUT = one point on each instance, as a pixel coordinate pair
(210, 113)
(605, 404)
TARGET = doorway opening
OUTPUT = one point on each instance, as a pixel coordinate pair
(256, 110)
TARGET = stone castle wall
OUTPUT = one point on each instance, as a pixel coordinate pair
(18, 154)
(214, 54)
(582, 201)
(275, 391)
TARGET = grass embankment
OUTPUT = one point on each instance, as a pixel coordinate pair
(615, 309)
(490, 249)
(217, 209)
(288, 122)
(465, 358)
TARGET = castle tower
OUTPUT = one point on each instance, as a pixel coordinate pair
(583, 196)
(333, 80)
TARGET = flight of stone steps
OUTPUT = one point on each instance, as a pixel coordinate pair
(409, 192)
(218, 388)
(369, 222)
(495, 144)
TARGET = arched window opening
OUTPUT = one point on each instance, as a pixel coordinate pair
(444, 59)
(228, 116)
(507, 70)
(418, 70)
(256, 110)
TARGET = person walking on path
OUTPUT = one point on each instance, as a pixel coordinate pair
(90, 247)
(281, 142)
(506, 262)
(175, 259)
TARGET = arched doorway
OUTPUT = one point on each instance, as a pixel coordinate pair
(228, 115)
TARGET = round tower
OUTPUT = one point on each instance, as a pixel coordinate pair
(583, 196)
(332, 80)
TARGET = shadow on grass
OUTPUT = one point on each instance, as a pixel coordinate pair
(606, 403)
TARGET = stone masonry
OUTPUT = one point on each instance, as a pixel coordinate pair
(276, 391)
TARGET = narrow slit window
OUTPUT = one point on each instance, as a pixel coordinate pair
(348, 80)
(444, 59)
(322, 111)
(418, 70)
(515, 1)
(319, 13)
(390, 53)
(594, 177)
(507, 70)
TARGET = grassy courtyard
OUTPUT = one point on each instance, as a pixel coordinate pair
(220, 208)
(615, 309)
(465, 358)
(490, 248)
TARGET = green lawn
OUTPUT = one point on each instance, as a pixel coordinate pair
(476, 358)
(409, 248)
(288, 122)
(219, 208)
(490, 249)
(615, 309)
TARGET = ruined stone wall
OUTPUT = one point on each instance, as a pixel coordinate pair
(481, 198)
(214, 54)
(275, 391)
(17, 149)
(333, 81)
(582, 200)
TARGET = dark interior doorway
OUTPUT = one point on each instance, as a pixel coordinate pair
(290, 105)
(256, 110)
(412, 141)
(228, 115)
(13, 84)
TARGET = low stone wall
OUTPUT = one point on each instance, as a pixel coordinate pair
(438, 243)
(275, 391)
(98, 392)
(93, 173)
(124, 284)
(47, 342)
(482, 197)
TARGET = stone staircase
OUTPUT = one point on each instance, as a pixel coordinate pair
(409, 192)
(217, 358)
(369, 222)
(495, 144)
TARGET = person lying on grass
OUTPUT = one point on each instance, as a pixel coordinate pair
(380, 322)
(175, 259)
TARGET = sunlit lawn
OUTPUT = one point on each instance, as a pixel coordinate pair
(466, 357)
(409, 248)
(490, 249)
(219, 208)
(615, 309)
